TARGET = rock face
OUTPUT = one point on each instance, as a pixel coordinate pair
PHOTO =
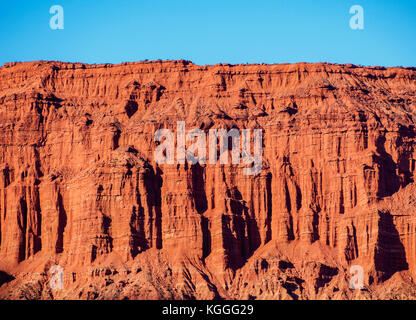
(80, 188)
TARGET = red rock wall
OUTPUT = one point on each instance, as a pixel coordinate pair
(78, 180)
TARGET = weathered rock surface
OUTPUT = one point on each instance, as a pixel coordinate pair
(79, 186)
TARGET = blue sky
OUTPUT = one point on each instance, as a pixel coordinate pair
(209, 32)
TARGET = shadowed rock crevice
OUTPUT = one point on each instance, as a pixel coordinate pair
(201, 205)
(289, 224)
(389, 181)
(131, 108)
(206, 237)
(62, 221)
(234, 240)
(325, 275)
(390, 255)
(268, 221)
(405, 163)
(138, 241)
(22, 216)
(198, 188)
(36, 221)
(5, 277)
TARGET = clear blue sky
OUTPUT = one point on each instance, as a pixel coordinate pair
(209, 32)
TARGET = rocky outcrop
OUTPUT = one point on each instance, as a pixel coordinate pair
(80, 187)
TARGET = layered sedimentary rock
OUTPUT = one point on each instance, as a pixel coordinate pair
(80, 187)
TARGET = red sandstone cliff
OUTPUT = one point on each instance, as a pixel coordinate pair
(79, 186)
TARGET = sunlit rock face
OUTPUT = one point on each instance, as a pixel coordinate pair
(80, 187)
